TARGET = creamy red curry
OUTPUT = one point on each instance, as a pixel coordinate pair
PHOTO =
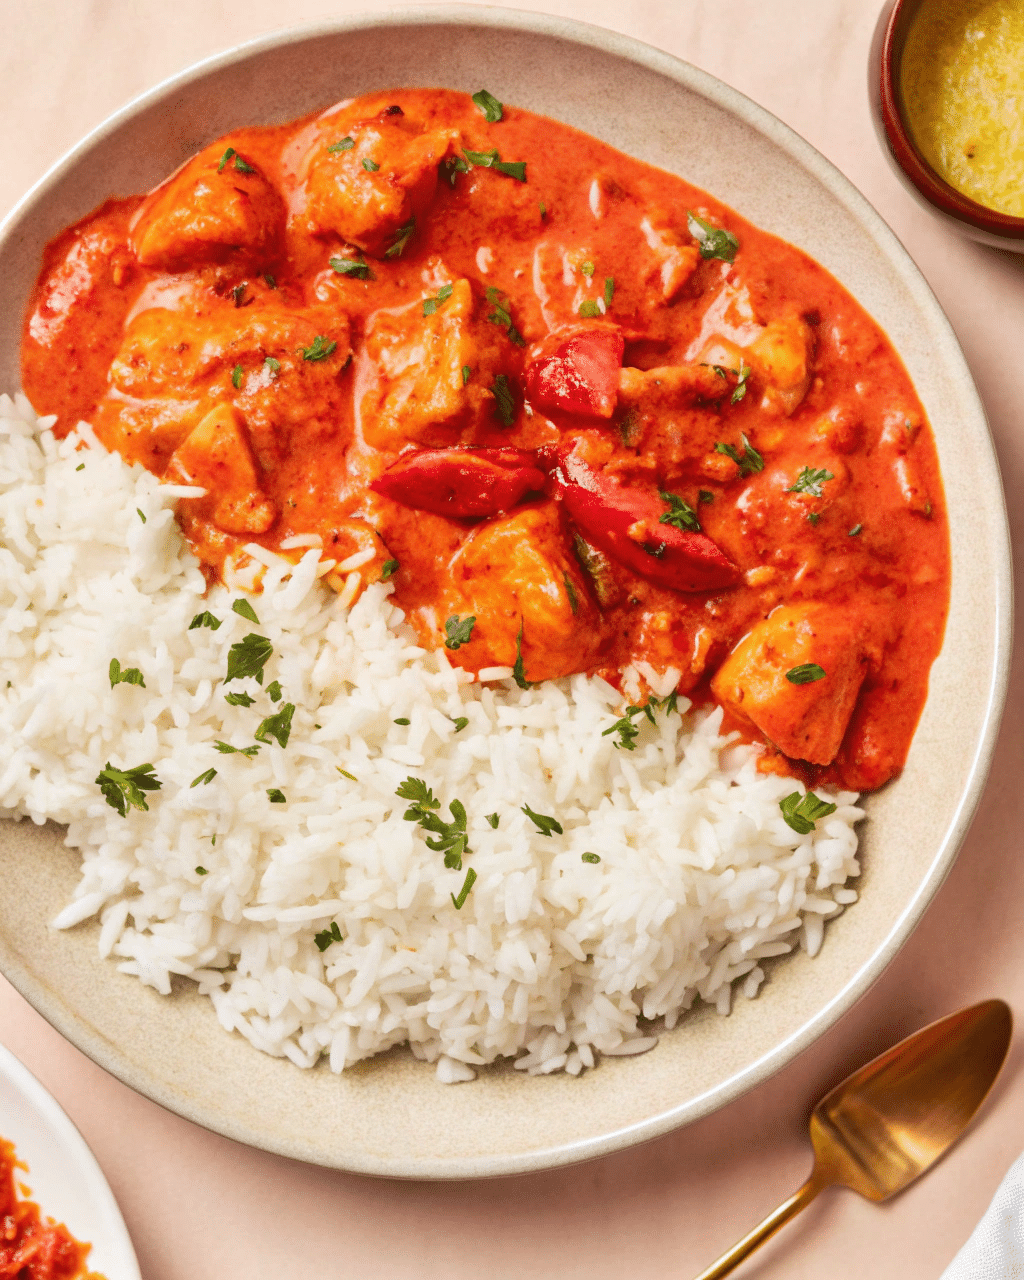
(582, 415)
(31, 1248)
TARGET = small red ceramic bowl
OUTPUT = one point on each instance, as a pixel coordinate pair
(894, 133)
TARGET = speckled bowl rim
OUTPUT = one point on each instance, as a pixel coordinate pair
(412, 1165)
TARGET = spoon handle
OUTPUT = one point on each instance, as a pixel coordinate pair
(788, 1209)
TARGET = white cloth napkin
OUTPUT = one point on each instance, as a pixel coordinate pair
(995, 1250)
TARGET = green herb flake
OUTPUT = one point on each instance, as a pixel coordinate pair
(278, 726)
(609, 290)
(389, 569)
(713, 242)
(226, 749)
(813, 517)
(80, 467)
(802, 812)
(430, 305)
(590, 857)
(371, 166)
(519, 670)
(236, 376)
(274, 692)
(458, 631)
(502, 315)
(855, 531)
(491, 160)
(705, 495)
(740, 390)
(276, 796)
(504, 404)
(467, 884)
(493, 819)
(130, 676)
(238, 699)
(402, 237)
(489, 105)
(587, 268)
(589, 309)
(748, 462)
(272, 366)
(681, 515)
(245, 610)
(248, 658)
(204, 779)
(346, 144)
(543, 209)
(141, 514)
(319, 350)
(805, 673)
(202, 871)
(204, 619)
(325, 937)
(402, 720)
(542, 822)
(451, 840)
(354, 267)
(123, 788)
(238, 295)
(455, 165)
(625, 727)
(570, 591)
(269, 280)
(345, 773)
(810, 481)
(467, 373)
(241, 165)
(225, 158)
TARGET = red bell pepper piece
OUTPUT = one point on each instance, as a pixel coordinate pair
(461, 482)
(582, 377)
(624, 521)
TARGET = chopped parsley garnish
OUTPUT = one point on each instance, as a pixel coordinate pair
(504, 404)
(236, 376)
(705, 495)
(855, 530)
(805, 673)
(204, 619)
(278, 726)
(371, 166)
(271, 365)
(352, 267)
(226, 749)
(402, 237)
(740, 390)
(141, 514)
(130, 676)
(458, 631)
(274, 692)
(491, 160)
(802, 812)
(570, 591)
(402, 720)
(451, 840)
(319, 350)
(681, 515)
(489, 105)
(248, 658)
(542, 822)
(345, 773)
(459, 722)
(245, 610)
(389, 568)
(810, 481)
(325, 937)
(749, 461)
(609, 290)
(467, 373)
(628, 731)
(493, 819)
(814, 517)
(467, 884)
(713, 242)
(204, 779)
(269, 280)
(239, 699)
(590, 857)
(519, 670)
(589, 309)
(587, 268)
(543, 209)
(276, 795)
(122, 788)
(240, 164)
(502, 316)
(430, 305)
(346, 144)
(80, 467)
(238, 295)
(455, 165)
(202, 871)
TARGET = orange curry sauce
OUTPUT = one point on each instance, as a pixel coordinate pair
(31, 1249)
(303, 309)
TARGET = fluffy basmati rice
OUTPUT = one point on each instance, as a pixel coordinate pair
(551, 959)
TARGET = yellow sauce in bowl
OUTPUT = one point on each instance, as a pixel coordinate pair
(963, 91)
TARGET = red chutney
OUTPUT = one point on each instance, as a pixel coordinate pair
(29, 1248)
(499, 364)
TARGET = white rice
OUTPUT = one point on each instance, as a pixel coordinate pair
(551, 959)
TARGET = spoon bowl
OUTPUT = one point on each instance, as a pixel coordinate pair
(896, 1116)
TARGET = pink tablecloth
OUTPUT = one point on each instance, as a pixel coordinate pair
(200, 1207)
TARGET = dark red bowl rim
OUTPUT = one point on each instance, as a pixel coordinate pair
(934, 188)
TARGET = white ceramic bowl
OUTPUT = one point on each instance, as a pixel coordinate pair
(63, 1176)
(388, 1115)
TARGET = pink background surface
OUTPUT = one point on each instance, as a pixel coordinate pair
(200, 1207)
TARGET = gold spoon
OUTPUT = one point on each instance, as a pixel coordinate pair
(891, 1120)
